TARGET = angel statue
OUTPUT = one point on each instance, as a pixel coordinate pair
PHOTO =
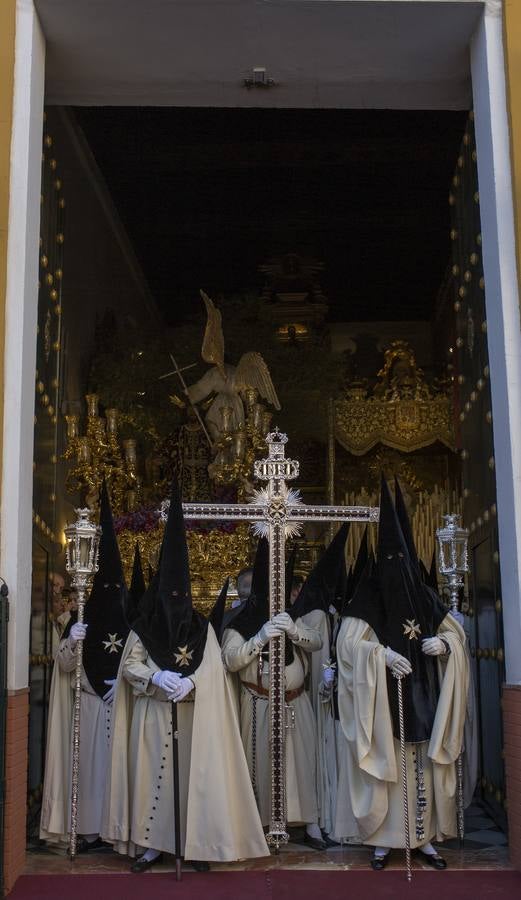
(228, 382)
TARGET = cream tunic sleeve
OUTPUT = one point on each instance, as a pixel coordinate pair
(308, 638)
(236, 652)
(447, 733)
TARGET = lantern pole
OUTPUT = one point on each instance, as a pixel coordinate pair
(453, 564)
(82, 546)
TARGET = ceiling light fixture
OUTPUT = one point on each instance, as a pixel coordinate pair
(258, 79)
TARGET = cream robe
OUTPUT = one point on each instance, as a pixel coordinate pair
(219, 818)
(327, 761)
(326, 765)
(243, 657)
(95, 732)
(371, 767)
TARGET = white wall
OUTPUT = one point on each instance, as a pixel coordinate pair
(503, 314)
(20, 331)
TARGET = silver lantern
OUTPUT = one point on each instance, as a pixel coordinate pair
(82, 539)
(453, 561)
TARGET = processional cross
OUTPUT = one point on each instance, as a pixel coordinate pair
(278, 511)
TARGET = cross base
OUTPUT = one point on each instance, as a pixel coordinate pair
(277, 835)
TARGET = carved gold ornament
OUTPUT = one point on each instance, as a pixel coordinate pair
(214, 555)
(402, 412)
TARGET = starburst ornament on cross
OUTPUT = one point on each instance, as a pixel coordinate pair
(411, 629)
(114, 644)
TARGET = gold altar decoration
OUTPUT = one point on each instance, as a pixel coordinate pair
(214, 555)
(99, 454)
(402, 411)
(193, 455)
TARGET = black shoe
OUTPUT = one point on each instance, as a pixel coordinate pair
(433, 859)
(142, 864)
(329, 842)
(379, 862)
(83, 845)
(200, 865)
(315, 843)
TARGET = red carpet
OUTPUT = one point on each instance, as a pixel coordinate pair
(277, 884)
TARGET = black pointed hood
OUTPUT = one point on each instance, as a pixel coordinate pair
(136, 590)
(409, 612)
(256, 610)
(217, 613)
(349, 586)
(405, 524)
(358, 568)
(366, 602)
(104, 610)
(172, 631)
(328, 578)
(340, 595)
(432, 575)
(260, 582)
(401, 585)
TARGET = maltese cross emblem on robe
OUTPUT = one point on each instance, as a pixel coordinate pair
(411, 629)
(184, 656)
(114, 644)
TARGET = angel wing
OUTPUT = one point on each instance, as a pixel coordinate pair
(213, 341)
(252, 371)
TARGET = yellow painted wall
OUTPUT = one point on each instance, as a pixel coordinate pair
(512, 26)
(7, 37)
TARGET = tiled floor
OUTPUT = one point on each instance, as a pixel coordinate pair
(485, 848)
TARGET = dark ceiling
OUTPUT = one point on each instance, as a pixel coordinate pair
(208, 195)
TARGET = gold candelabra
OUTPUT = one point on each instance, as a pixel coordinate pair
(98, 454)
(237, 448)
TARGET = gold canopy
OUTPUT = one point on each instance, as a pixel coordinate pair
(402, 411)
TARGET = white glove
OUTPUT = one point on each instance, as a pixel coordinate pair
(78, 632)
(460, 618)
(167, 681)
(285, 623)
(433, 646)
(109, 696)
(267, 631)
(183, 689)
(328, 676)
(397, 663)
